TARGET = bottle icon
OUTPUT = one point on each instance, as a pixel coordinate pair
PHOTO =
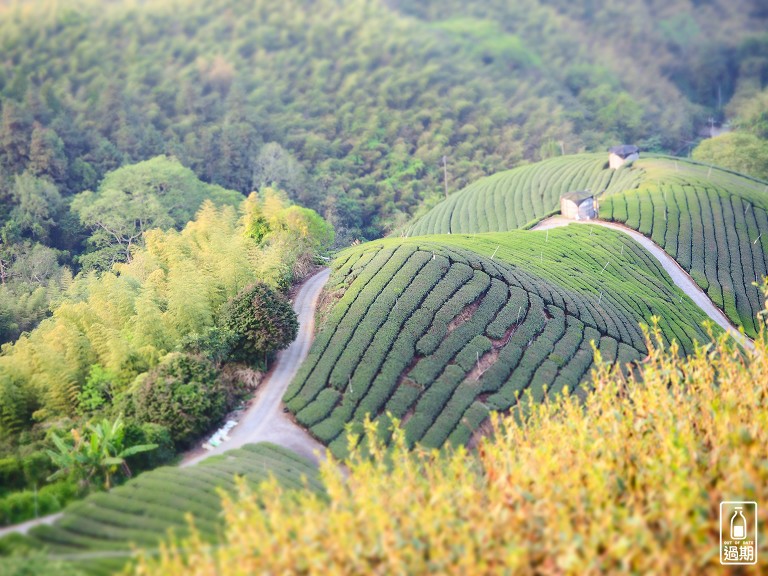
(738, 525)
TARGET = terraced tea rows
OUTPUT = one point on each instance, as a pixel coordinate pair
(437, 333)
(512, 199)
(712, 221)
(715, 224)
(98, 534)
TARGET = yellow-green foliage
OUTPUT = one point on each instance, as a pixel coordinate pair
(127, 319)
(628, 482)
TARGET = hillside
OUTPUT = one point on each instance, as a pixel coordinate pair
(713, 222)
(351, 105)
(167, 343)
(368, 111)
(628, 482)
(99, 535)
(440, 330)
(285, 287)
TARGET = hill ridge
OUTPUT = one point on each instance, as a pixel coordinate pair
(400, 339)
(713, 222)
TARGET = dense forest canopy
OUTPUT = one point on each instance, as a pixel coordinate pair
(351, 106)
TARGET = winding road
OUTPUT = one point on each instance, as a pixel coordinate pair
(679, 276)
(264, 421)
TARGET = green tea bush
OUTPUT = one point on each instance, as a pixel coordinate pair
(407, 343)
(319, 408)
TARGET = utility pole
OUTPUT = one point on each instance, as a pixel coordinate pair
(445, 174)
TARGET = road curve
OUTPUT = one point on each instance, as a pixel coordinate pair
(679, 276)
(265, 421)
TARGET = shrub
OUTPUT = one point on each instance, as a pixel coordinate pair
(658, 457)
(184, 394)
(319, 409)
(149, 433)
(37, 467)
(262, 322)
(11, 473)
(27, 504)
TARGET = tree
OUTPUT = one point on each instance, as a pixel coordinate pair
(739, 151)
(97, 390)
(5, 264)
(46, 154)
(95, 454)
(307, 227)
(751, 113)
(256, 224)
(183, 393)
(276, 166)
(238, 143)
(37, 205)
(15, 405)
(158, 193)
(262, 322)
(14, 136)
(34, 264)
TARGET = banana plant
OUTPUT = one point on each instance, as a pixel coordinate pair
(96, 453)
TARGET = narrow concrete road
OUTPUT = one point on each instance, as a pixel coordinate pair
(25, 527)
(679, 276)
(265, 421)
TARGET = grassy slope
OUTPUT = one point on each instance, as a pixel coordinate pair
(436, 332)
(708, 219)
(142, 512)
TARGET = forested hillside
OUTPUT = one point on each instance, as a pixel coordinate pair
(350, 106)
(367, 111)
(153, 351)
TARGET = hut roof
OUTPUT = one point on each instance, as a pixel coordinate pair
(577, 197)
(624, 150)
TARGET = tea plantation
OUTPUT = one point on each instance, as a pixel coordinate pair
(712, 221)
(440, 330)
(97, 536)
(512, 199)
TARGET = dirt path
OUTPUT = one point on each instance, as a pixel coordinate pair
(25, 527)
(679, 276)
(265, 421)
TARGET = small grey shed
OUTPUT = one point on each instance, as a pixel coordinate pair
(578, 205)
(620, 155)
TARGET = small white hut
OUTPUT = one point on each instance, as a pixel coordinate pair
(620, 155)
(578, 205)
